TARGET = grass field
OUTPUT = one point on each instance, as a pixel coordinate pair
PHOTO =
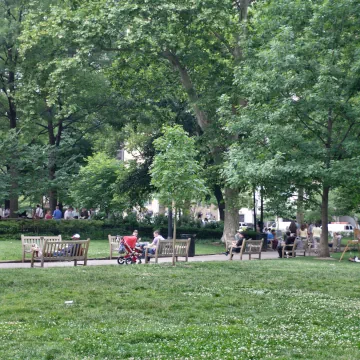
(11, 249)
(276, 309)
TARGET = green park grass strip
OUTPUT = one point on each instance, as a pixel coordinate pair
(11, 249)
(279, 309)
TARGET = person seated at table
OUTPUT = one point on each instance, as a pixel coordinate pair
(289, 241)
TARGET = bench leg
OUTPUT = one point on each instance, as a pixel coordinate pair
(42, 262)
(75, 262)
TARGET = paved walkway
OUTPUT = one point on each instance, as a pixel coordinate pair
(15, 265)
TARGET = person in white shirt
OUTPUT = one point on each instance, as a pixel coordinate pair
(1, 213)
(6, 213)
(316, 235)
(68, 215)
(39, 213)
(75, 213)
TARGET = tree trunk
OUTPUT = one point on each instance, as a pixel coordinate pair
(231, 223)
(300, 206)
(52, 190)
(12, 115)
(261, 223)
(324, 246)
(54, 142)
(220, 201)
(174, 236)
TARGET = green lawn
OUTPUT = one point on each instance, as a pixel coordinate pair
(277, 309)
(11, 249)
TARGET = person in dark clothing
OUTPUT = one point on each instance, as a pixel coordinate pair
(275, 241)
(293, 228)
(236, 245)
(289, 241)
(84, 214)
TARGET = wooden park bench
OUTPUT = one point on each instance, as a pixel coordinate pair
(292, 250)
(69, 250)
(28, 241)
(165, 249)
(248, 247)
(114, 244)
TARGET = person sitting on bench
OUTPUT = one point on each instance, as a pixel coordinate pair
(289, 241)
(236, 245)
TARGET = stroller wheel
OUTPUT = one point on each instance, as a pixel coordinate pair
(120, 260)
(128, 261)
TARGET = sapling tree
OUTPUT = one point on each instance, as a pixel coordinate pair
(175, 172)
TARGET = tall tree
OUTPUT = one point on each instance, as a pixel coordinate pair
(201, 41)
(11, 18)
(304, 95)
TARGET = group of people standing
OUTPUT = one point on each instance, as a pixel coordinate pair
(69, 214)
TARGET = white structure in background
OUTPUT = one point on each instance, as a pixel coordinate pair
(247, 216)
(349, 220)
(211, 212)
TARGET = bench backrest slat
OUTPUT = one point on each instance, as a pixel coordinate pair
(38, 240)
(28, 241)
(66, 249)
(252, 246)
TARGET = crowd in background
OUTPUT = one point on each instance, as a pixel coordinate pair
(59, 213)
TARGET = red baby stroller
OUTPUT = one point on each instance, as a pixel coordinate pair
(129, 252)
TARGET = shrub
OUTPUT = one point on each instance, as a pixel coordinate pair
(96, 229)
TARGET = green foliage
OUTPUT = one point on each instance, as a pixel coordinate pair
(97, 229)
(300, 75)
(95, 186)
(175, 172)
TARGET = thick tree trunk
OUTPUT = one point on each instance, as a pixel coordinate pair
(12, 115)
(231, 223)
(52, 199)
(324, 246)
(14, 198)
(300, 206)
(54, 141)
(220, 201)
(174, 236)
(261, 222)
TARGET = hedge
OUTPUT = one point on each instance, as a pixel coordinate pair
(94, 229)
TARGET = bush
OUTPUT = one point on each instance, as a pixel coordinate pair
(96, 229)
